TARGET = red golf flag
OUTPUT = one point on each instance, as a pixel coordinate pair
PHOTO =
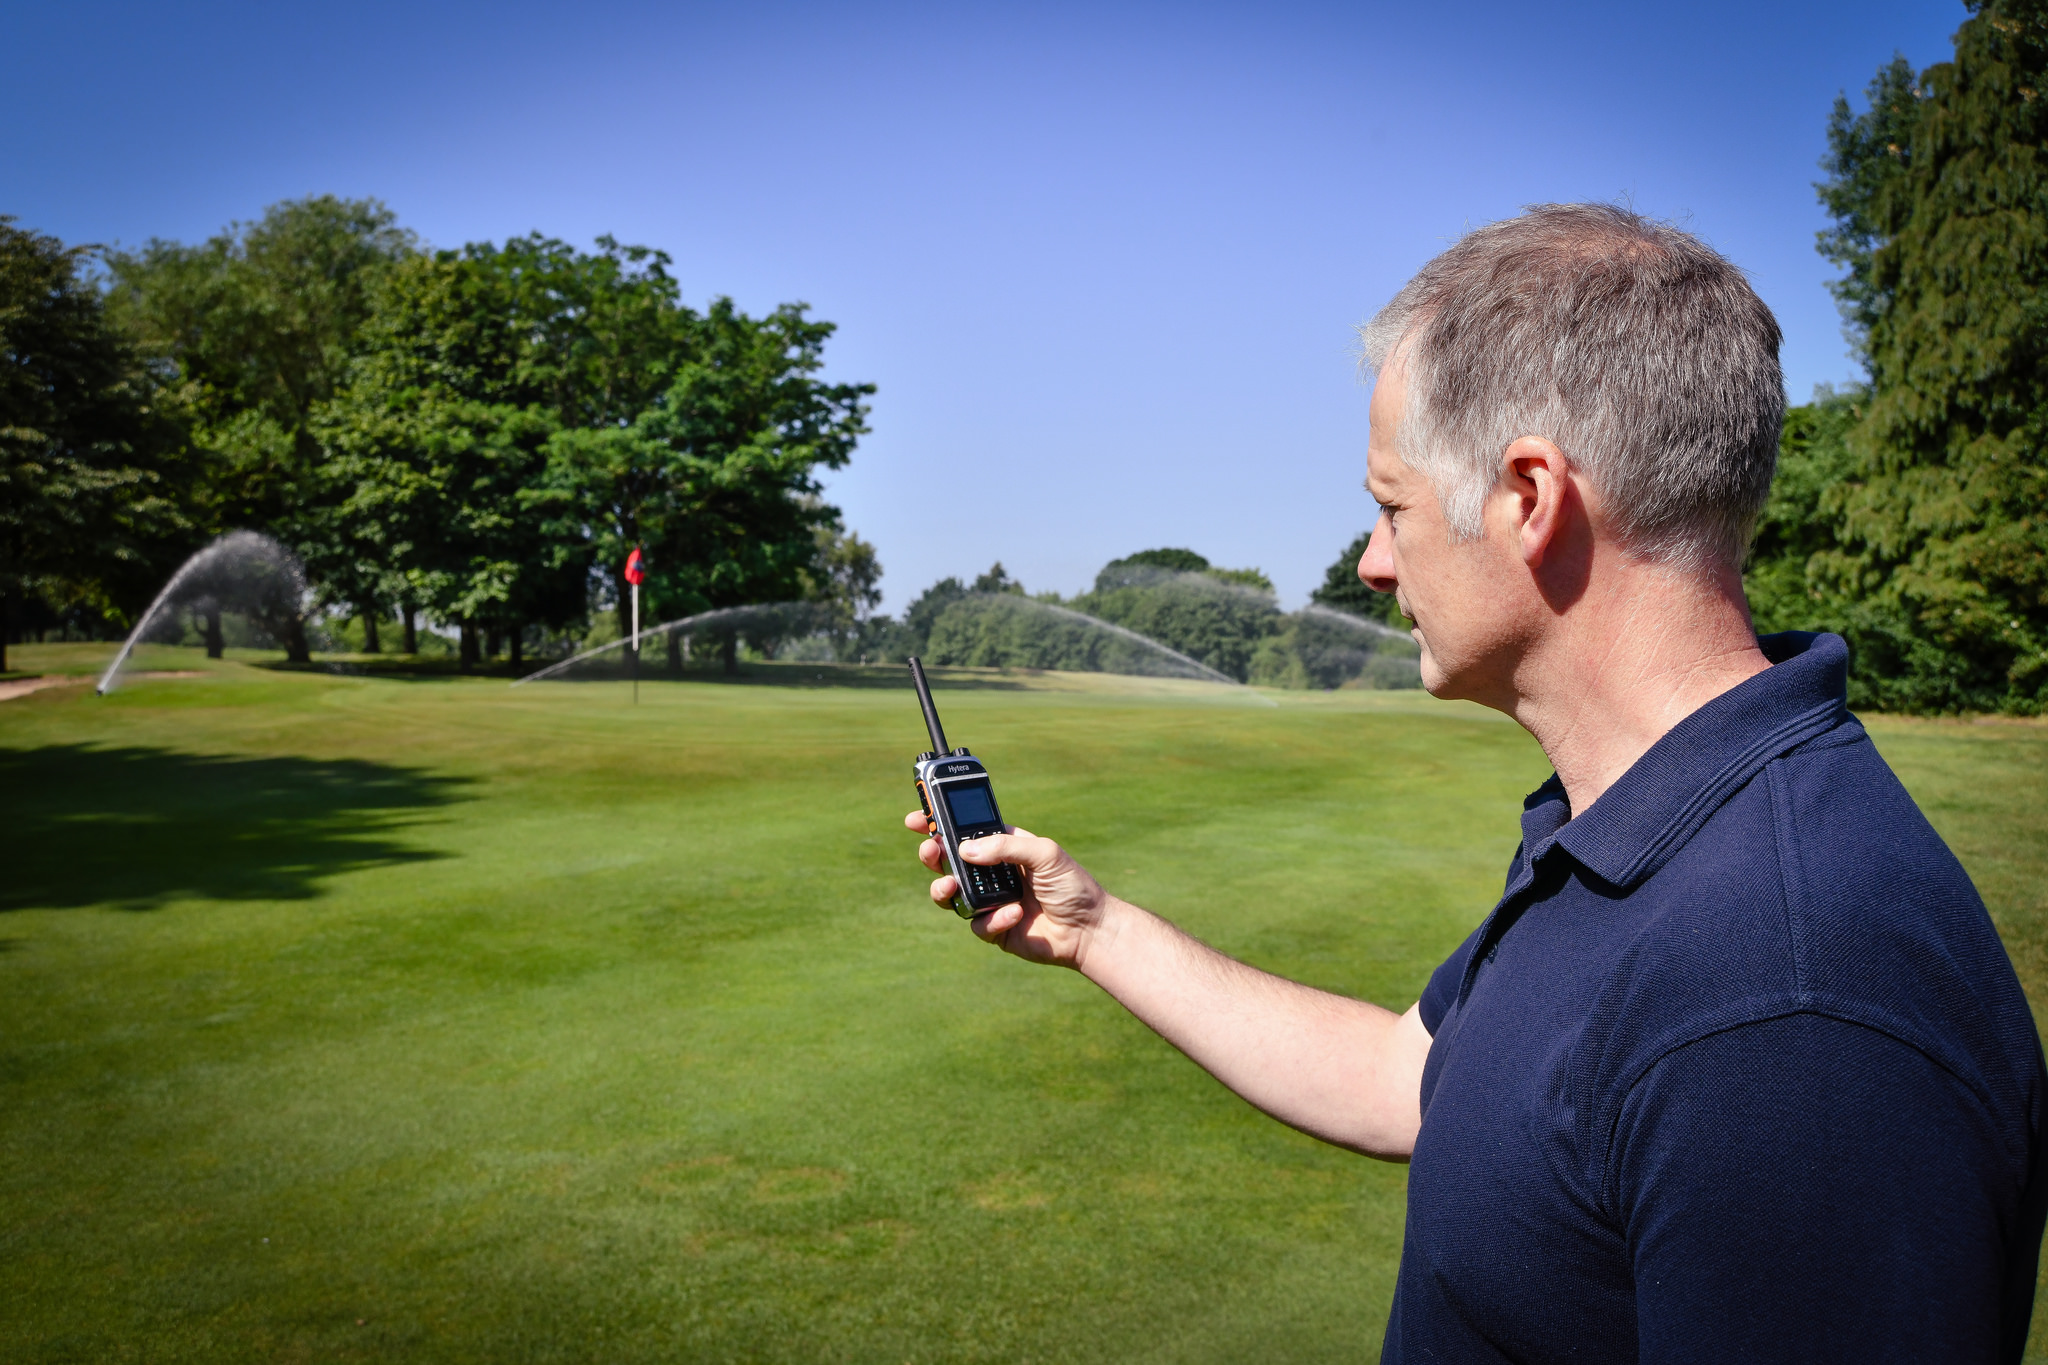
(635, 573)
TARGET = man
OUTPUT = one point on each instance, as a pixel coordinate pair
(1737, 1069)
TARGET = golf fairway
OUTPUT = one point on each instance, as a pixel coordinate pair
(363, 1018)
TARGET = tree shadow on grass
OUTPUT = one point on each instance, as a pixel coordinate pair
(138, 827)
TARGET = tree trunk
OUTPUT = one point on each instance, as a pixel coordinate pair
(411, 642)
(215, 644)
(296, 650)
(6, 626)
(466, 647)
(675, 651)
(729, 649)
(371, 644)
(515, 645)
(491, 637)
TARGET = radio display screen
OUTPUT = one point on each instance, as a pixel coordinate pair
(971, 803)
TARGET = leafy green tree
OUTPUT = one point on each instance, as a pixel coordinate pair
(1010, 630)
(1343, 590)
(997, 579)
(257, 327)
(523, 416)
(1788, 577)
(1146, 566)
(1319, 650)
(717, 476)
(845, 582)
(433, 486)
(923, 614)
(89, 463)
(1174, 561)
(881, 640)
(1215, 617)
(1939, 191)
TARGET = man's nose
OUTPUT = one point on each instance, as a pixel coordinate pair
(1376, 565)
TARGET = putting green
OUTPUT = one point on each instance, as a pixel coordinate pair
(364, 1018)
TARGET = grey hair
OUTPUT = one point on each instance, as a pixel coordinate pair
(1636, 349)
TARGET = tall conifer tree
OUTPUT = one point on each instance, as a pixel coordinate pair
(1939, 192)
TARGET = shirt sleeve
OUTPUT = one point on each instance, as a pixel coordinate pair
(1442, 991)
(1807, 1189)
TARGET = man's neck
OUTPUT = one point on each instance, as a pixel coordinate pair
(1634, 656)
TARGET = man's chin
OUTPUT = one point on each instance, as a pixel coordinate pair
(1435, 681)
(1445, 684)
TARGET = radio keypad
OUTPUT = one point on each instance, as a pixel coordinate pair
(984, 882)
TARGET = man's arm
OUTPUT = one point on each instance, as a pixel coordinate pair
(1343, 1070)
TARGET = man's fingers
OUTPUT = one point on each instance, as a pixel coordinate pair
(930, 854)
(1027, 850)
(918, 821)
(999, 921)
(943, 891)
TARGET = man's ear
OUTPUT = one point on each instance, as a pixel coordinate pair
(1537, 474)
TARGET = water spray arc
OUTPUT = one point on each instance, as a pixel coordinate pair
(1177, 663)
(242, 571)
(1196, 667)
(722, 615)
(1345, 618)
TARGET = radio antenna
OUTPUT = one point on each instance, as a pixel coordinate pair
(931, 713)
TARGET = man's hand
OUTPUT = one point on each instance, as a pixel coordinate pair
(1063, 908)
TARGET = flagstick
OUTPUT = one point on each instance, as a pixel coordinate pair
(636, 644)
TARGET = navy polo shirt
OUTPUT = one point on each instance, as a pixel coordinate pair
(1737, 1070)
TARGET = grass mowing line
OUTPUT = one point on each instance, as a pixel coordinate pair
(641, 1041)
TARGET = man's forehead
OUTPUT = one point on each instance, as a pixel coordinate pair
(1377, 467)
(1383, 463)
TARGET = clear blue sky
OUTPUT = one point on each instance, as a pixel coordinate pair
(1103, 260)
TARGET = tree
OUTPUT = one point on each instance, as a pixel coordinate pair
(920, 616)
(85, 449)
(1010, 630)
(1787, 576)
(997, 579)
(1215, 616)
(845, 581)
(1343, 590)
(433, 486)
(256, 328)
(1939, 191)
(523, 416)
(1316, 649)
(717, 475)
(1175, 561)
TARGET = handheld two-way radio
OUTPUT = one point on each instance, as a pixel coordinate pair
(960, 804)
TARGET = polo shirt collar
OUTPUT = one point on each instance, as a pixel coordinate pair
(1667, 794)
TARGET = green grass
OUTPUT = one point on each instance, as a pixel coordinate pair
(351, 1018)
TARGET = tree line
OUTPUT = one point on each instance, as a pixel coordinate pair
(1227, 620)
(473, 436)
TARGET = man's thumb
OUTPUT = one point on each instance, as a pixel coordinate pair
(991, 848)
